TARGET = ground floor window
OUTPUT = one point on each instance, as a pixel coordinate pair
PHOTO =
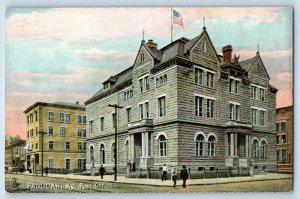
(162, 146)
(102, 154)
(68, 164)
(211, 146)
(50, 163)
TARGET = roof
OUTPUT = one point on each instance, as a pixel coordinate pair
(285, 108)
(56, 104)
(246, 64)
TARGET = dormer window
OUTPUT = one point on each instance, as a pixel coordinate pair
(106, 86)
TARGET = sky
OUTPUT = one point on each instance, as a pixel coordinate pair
(64, 54)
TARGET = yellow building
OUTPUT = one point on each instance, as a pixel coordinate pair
(284, 129)
(55, 137)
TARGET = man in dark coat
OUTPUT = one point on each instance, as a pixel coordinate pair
(101, 171)
(184, 175)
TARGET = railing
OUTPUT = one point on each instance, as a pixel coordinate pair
(144, 122)
(238, 123)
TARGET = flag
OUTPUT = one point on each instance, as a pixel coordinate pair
(177, 18)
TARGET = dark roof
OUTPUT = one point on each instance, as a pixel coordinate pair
(246, 64)
(285, 108)
(57, 104)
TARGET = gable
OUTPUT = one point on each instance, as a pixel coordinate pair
(143, 56)
(203, 52)
(257, 72)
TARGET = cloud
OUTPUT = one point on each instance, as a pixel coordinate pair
(101, 24)
(107, 56)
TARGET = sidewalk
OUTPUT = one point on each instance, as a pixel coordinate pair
(157, 182)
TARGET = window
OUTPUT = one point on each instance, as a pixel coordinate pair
(144, 84)
(79, 132)
(234, 113)
(161, 80)
(101, 123)
(61, 117)
(255, 149)
(50, 163)
(84, 146)
(79, 164)
(162, 146)
(198, 106)
(263, 149)
(141, 109)
(283, 126)
(212, 146)
(27, 134)
(278, 155)
(114, 120)
(36, 116)
(142, 57)
(146, 79)
(141, 85)
(262, 118)
(262, 94)
(102, 154)
(67, 145)
(27, 120)
(234, 86)
(62, 131)
(83, 133)
(277, 126)
(51, 145)
(79, 146)
(84, 163)
(91, 126)
(84, 119)
(161, 106)
(128, 94)
(36, 145)
(36, 131)
(68, 117)
(200, 145)
(283, 155)
(278, 139)
(205, 46)
(253, 92)
(79, 119)
(210, 80)
(31, 132)
(113, 154)
(128, 114)
(283, 139)
(210, 108)
(68, 164)
(147, 110)
(254, 117)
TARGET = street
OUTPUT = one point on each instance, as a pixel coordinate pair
(37, 184)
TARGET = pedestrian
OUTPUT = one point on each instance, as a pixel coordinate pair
(46, 170)
(101, 171)
(184, 175)
(133, 167)
(164, 172)
(128, 169)
(174, 178)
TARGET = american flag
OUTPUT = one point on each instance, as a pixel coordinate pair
(177, 18)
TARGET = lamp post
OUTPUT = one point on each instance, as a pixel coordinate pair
(42, 151)
(116, 129)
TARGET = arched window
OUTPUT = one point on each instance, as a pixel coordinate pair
(211, 146)
(113, 155)
(255, 149)
(263, 149)
(200, 145)
(162, 146)
(92, 155)
(102, 154)
(205, 46)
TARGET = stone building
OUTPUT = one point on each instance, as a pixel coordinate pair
(55, 134)
(284, 129)
(185, 104)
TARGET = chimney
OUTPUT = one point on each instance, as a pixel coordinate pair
(77, 102)
(151, 44)
(227, 53)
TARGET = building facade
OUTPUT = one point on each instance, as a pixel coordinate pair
(15, 154)
(185, 104)
(55, 136)
(284, 129)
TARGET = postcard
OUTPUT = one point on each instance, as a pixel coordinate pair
(149, 99)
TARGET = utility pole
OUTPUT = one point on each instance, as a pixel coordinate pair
(116, 131)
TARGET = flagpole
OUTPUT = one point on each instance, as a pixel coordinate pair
(171, 24)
